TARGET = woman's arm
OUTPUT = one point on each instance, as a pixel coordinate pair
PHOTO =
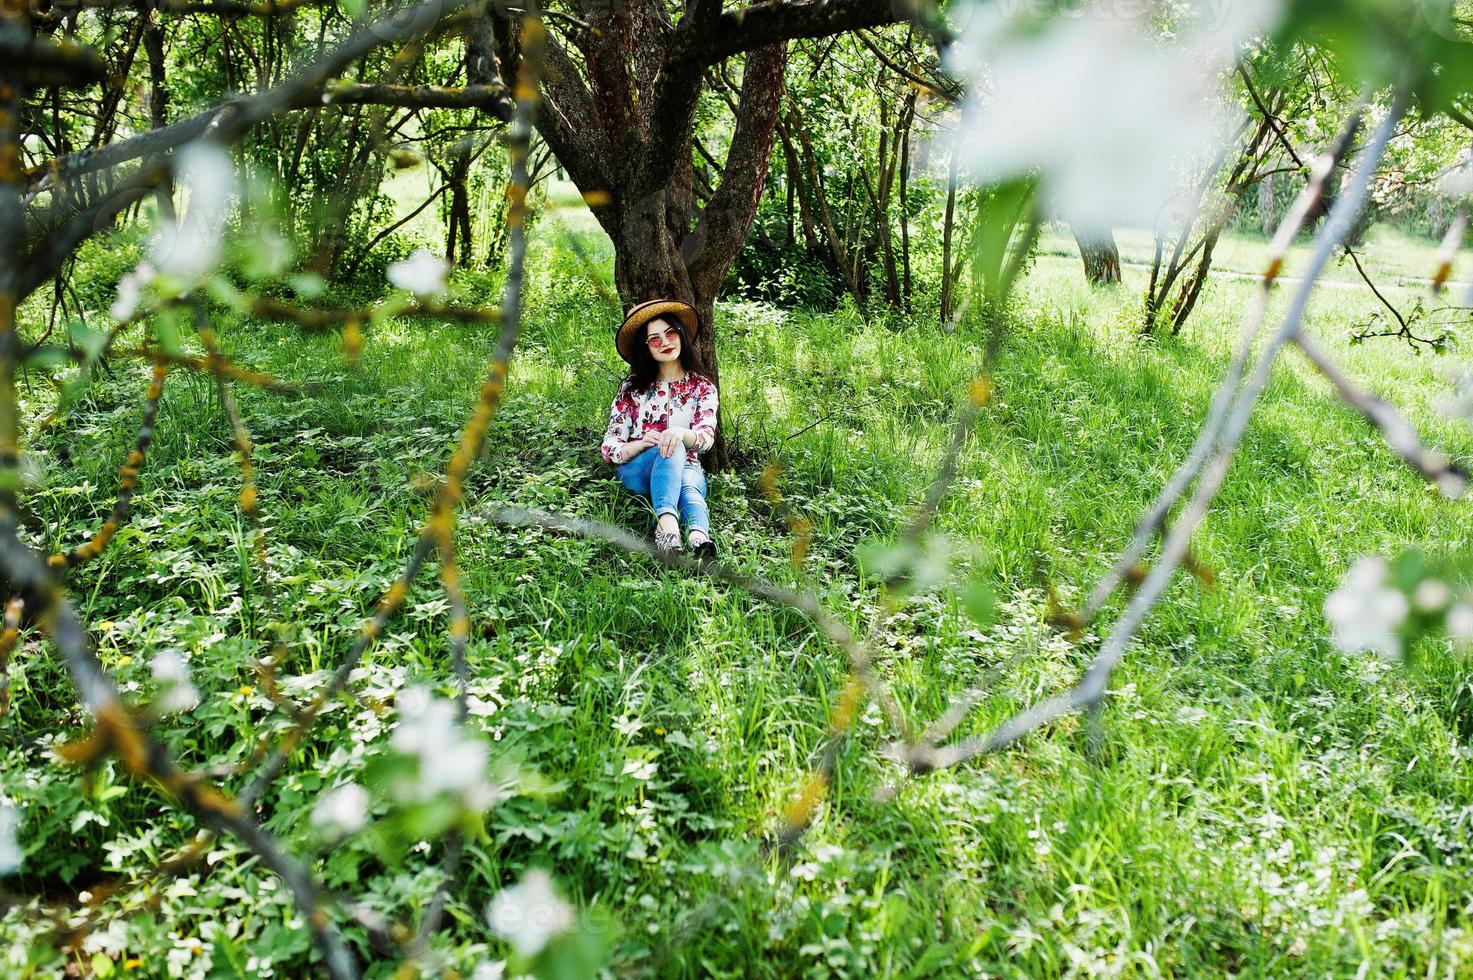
(703, 421)
(621, 424)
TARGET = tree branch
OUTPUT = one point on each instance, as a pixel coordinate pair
(750, 28)
(728, 215)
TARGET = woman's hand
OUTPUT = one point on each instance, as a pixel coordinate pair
(634, 447)
(672, 437)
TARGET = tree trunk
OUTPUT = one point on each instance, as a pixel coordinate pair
(621, 115)
(948, 223)
(1268, 217)
(1101, 257)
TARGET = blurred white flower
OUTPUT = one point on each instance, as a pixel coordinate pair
(130, 291)
(10, 853)
(1432, 595)
(490, 970)
(449, 761)
(422, 274)
(1105, 112)
(188, 247)
(342, 810)
(176, 686)
(1460, 405)
(1459, 178)
(529, 914)
(1364, 611)
(1460, 622)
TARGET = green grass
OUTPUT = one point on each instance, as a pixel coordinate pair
(1259, 803)
(1398, 259)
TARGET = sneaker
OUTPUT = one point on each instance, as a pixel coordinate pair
(668, 542)
(705, 551)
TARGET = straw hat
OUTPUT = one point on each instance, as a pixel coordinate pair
(631, 330)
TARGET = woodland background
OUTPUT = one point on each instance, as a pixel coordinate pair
(946, 404)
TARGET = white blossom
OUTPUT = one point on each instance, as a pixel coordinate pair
(449, 760)
(130, 291)
(489, 970)
(529, 914)
(188, 247)
(10, 852)
(342, 810)
(1364, 611)
(1458, 181)
(422, 274)
(1432, 595)
(176, 686)
(1460, 621)
(1105, 112)
(1460, 405)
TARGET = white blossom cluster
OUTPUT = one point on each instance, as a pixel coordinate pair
(530, 914)
(1367, 612)
(342, 810)
(186, 248)
(1096, 102)
(422, 274)
(449, 760)
(176, 685)
(10, 852)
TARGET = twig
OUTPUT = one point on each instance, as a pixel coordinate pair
(127, 479)
(1090, 690)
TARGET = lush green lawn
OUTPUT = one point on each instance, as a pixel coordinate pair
(1397, 258)
(1260, 803)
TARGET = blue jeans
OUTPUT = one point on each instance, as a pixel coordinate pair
(671, 484)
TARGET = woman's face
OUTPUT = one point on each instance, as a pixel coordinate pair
(663, 340)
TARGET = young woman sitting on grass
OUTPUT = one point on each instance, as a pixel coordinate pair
(662, 419)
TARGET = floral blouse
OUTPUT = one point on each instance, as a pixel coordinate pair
(689, 403)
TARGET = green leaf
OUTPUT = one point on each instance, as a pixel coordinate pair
(980, 602)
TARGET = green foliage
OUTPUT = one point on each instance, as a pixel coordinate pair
(651, 727)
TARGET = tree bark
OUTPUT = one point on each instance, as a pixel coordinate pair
(622, 124)
(1101, 256)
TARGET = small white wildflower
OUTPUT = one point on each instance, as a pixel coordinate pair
(489, 970)
(176, 687)
(479, 707)
(188, 247)
(529, 914)
(1432, 595)
(130, 291)
(343, 810)
(1364, 611)
(422, 274)
(450, 761)
(10, 853)
(1460, 621)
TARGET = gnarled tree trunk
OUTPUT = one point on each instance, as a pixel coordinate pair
(622, 124)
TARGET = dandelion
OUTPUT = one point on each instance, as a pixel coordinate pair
(342, 811)
(10, 852)
(449, 761)
(529, 914)
(176, 686)
(1364, 612)
(422, 274)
